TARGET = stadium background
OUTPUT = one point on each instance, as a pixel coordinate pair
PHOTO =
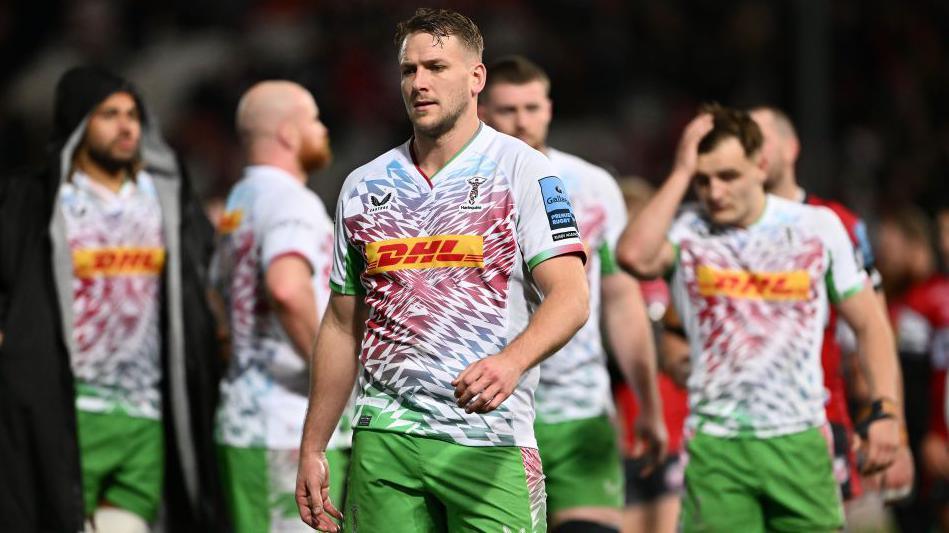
(865, 80)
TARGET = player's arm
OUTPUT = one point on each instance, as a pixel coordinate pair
(290, 288)
(643, 248)
(875, 345)
(485, 384)
(629, 334)
(332, 377)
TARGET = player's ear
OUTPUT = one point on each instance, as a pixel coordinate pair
(288, 134)
(479, 76)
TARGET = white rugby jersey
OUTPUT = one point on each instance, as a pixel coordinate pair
(118, 254)
(574, 382)
(269, 214)
(754, 302)
(444, 265)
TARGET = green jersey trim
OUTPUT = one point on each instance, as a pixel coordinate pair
(608, 263)
(450, 161)
(355, 266)
(554, 252)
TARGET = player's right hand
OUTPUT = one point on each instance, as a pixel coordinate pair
(883, 442)
(688, 151)
(312, 493)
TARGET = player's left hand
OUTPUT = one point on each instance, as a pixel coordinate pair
(652, 441)
(312, 493)
(486, 383)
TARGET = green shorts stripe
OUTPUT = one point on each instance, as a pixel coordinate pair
(259, 484)
(122, 461)
(430, 485)
(753, 485)
(582, 464)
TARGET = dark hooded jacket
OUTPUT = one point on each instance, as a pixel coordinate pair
(40, 479)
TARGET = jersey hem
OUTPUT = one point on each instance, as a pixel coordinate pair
(467, 442)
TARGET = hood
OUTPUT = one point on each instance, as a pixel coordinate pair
(79, 91)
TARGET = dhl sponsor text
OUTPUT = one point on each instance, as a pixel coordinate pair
(425, 252)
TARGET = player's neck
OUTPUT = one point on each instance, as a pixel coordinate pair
(288, 163)
(756, 212)
(433, 153)
(787, 187)
(112, 180)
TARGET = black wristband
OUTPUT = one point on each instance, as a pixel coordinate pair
(876, 413)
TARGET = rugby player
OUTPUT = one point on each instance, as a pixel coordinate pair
(444, 246)
(106, 354)
(780, 150)
(575, 435)
(752, 275)
(272, 265)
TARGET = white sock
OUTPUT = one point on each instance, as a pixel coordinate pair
(116, 520)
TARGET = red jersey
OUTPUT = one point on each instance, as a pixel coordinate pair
(675, 400)
(830, 352)
(924, 318)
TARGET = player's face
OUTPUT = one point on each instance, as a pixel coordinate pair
(729, 184)
(771, 149)
(113, 132)
(523, 111)
(314, 152)
(439, 82)
(892, 251)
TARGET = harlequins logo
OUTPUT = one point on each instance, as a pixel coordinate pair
(380, 202)
(471, 202)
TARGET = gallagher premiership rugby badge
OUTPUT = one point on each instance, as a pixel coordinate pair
(559, 213)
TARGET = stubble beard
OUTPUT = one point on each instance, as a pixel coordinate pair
(443, 126)
(110, 163)
(313, 160)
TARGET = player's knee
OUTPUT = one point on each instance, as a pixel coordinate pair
(116, 520)
(583, 526)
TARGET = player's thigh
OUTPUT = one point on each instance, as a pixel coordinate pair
(101, 448)
(245, 482)
(800, 492)
(582, 464)
(487, 488)
(137, 483)
(339, 475)
(385, 490)
(720, 494)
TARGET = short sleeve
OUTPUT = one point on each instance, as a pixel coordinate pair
(348, 261)
(864, 253)
(844, 277)
(615, 224)
(546, 225)
(291, 228)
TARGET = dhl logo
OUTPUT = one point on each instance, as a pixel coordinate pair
(425, 252)
(91, 262)
(229, 222)
(791, 285)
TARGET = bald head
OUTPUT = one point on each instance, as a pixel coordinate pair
(278, 123)
(780, 149)
(268, 105)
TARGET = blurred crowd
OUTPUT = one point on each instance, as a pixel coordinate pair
(862, 79)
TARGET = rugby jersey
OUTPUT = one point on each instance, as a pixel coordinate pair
(269, 214)
(444, 264)
(118, 255)
(574, 382)
(754, 302)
